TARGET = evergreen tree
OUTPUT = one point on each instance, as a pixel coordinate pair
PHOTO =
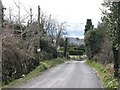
(88, 25)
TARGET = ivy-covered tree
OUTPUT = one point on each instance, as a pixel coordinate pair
(112, 21)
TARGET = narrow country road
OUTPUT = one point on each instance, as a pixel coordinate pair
(72, 74)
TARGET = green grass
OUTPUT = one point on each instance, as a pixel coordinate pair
(44, 65)
(107, 80)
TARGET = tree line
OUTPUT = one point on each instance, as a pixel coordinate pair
(103, 42)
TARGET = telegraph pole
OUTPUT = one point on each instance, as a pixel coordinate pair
(31, 15)
(10, 14)
(19, 13)
(39, 36)
(65, 47)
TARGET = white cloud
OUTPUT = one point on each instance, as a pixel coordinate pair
(74, 12)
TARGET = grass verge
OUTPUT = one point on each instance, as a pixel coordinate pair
(44, 65)
(106, 78)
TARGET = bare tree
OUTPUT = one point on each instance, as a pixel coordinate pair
(60, 31)
(51, 28)
(54, 29)
(19, 13)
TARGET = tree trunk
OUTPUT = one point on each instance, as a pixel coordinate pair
(116, 63)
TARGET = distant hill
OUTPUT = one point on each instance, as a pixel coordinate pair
(76, 41)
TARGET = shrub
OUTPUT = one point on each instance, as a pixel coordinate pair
(61, 49)
(48, 50)
(76, 52)
(93, 41)
(60, 54)
(15, 61)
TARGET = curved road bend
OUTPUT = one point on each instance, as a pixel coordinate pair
(72, 74)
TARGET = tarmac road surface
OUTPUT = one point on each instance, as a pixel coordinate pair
(72, 74)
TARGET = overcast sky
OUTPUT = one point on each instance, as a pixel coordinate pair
(74, 12)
